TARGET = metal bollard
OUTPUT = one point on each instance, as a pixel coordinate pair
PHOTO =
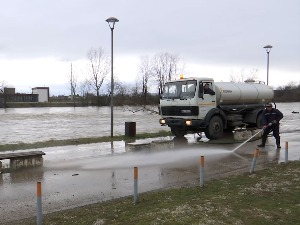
(254, 160)
(286, 152)
(202, 171)
(39, 203)
(136, 195)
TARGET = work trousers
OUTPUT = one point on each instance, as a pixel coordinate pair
(275, 129)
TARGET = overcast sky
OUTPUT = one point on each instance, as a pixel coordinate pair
(214, 38)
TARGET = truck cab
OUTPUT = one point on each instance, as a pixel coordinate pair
(185, 106)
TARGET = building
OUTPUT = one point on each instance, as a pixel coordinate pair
(9, 95)
(42, 92)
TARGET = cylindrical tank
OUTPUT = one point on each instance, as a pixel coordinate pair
(242, 93)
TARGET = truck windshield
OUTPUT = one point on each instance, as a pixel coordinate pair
(179, 89)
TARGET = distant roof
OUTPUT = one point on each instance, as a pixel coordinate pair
(40, 88)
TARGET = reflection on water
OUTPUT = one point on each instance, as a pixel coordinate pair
(23, 176)
(180, 142)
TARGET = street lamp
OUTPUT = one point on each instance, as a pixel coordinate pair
(111, 23)
(268, 49)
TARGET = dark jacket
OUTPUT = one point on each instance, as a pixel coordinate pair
(209, 91)
(271, 116)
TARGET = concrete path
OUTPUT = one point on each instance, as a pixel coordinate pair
(78, 175)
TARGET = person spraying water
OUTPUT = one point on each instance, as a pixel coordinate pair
(270, 119)
(270, 124)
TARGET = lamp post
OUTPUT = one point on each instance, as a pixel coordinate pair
(268, 49)
(111, 23)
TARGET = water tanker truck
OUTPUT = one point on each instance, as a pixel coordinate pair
(186, 106)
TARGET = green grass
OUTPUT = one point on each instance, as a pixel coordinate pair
(270, 196)
(78, 141)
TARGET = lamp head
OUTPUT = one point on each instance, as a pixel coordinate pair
(268, 48)
(111, 22)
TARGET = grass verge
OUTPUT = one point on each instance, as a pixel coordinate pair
(270, 196)
(78, 141)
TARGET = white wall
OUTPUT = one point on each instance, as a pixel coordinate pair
(43, 94)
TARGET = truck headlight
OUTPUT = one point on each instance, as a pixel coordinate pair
(188, 122)
(162, 121)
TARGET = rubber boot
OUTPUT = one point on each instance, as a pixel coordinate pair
(278, 142)
(263, 142)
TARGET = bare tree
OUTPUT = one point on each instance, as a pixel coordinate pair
(164, 68)
(116, 85)
(239, 78)
(135, 89)
(2, 96)
(144, 75)
(232, 77)
(244, 76)
(98, 69)
(84, 89)
(120, 88)
(291, 85)
(2, 86)
(73, 85)
(251, 75)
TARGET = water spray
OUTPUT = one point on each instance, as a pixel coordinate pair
(270, 124)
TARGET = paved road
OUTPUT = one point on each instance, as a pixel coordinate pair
(79, 175)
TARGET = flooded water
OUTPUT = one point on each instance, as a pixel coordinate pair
(53, 123)
(77, 175)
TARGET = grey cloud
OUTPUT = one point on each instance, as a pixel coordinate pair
(221, 32)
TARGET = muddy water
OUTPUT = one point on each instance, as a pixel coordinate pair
(40, 124)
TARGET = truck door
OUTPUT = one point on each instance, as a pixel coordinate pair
(206, 98)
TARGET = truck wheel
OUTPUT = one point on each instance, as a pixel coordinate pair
(178, 131)
(215, 128)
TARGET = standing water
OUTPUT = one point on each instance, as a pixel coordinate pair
(29, 125)
(58, 123)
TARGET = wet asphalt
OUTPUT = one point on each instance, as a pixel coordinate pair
(78, 175)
